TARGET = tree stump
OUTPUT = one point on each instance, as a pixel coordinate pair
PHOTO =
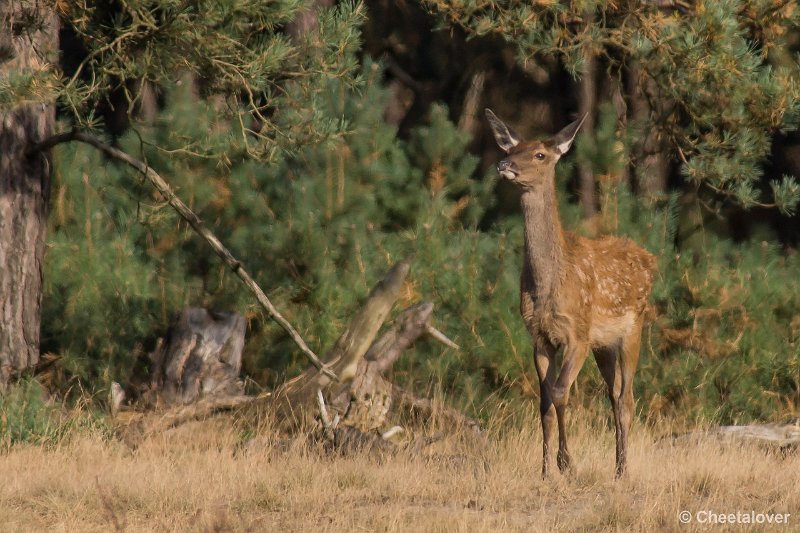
(200, 356)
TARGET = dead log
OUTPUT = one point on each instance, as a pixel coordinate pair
(296, 400)
(200, 356)
(426, 409)
(367, 406)
(195, 375)
(364, 402)
(775, 436)
(133, 426)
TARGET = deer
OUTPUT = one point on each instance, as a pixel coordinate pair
(576, 294)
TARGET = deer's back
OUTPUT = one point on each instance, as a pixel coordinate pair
(601, 295)
(614, 273)
(607, 283)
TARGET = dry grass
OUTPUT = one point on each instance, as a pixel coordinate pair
(212, 484)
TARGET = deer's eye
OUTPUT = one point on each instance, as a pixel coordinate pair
(539, 156)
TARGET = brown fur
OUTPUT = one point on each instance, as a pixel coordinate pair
(576, 293)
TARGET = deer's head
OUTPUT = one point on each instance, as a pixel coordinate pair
(530, 163)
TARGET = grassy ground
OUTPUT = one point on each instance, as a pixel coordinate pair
(199, 478)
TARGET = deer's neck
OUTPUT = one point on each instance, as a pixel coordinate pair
(544, 240)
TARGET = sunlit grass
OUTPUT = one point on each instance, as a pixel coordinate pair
(199, 477)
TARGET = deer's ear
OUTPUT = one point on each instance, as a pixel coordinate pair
(506, 137)
(563, 139)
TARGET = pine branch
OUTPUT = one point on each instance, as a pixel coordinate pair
(197, 224)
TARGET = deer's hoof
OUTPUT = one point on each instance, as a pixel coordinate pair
(564, 461)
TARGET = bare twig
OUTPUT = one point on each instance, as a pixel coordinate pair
(441, 337)
(390, 433)
(116, 397)
(187, 214)
(328, 425)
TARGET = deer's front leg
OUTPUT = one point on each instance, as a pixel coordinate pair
(544, 357)
(574, 357)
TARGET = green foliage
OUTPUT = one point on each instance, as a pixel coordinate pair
(28, 416)
(319, 228)
(721, 75)
(267, 77)
(25, 416)
(24, 86)
(316, 230)
(278, 140)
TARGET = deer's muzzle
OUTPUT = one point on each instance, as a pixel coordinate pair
(507, 169)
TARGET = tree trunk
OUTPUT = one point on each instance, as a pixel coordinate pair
(586, 105)
(24, 190)
(649, 151)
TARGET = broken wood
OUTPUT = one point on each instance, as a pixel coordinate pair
(200, 356)
(426, 409)
(357, 413)
(296, 399)
(365, 401)
(133, 426)
(367, 406)
(781, 436)
(360, 413)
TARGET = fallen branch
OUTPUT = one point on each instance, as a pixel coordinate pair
(441, 337)
(779, 435)
(197, 224)
(134, 426)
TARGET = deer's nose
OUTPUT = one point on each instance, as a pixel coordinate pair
(503, 165)
(507, 168)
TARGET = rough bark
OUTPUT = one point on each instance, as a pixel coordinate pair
(201, 356)
(24, 190)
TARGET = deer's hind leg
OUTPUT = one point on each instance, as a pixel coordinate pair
(609, 362)
(628, 361)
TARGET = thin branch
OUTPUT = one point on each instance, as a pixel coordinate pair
(187, 214)
(441, 337)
